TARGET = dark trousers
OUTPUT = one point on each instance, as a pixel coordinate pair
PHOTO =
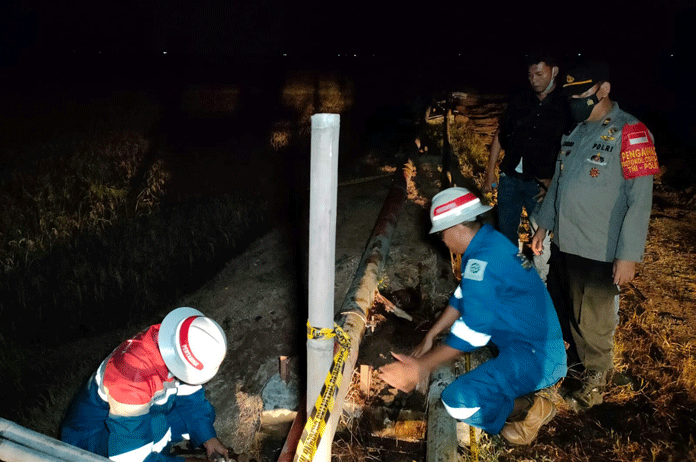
(585, 298)
(513, 194)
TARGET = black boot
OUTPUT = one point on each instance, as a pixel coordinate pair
(591, 393)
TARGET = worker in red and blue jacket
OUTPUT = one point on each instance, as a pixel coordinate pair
(147, 395)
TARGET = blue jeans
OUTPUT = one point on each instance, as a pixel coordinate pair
(513, 193)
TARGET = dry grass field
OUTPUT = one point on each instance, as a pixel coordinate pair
(100, 229)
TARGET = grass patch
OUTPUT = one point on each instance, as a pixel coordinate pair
(469, 148)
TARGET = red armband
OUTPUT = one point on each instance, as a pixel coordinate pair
(638, 156)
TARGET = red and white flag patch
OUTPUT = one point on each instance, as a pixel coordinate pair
(638, 138)
(638, 156)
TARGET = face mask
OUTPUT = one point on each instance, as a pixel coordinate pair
(581, 108)
(548, 87)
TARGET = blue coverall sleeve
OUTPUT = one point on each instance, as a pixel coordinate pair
(473, 328)
(456, 301)
(131, 440)
(198, 415)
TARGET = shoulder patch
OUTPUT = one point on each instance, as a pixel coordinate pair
(475, 269)
(638, 156)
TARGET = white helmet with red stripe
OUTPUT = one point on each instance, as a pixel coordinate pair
(453, 206)
(192, 345)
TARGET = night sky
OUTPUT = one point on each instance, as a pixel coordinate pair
(649, 44)
(270, 28)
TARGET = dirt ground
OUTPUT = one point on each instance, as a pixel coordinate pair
(257, 299)
(257, 295)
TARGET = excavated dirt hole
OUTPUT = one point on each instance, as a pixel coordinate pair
(379, 422)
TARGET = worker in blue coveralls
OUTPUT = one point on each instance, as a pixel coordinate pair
(501, 299)
(147, 394)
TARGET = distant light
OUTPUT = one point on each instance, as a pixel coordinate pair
(164, 52)
(339, 54)
(672, 55)
(460, 54)
(100, 52)
(579, 54)
(285, 54)
(355, 55)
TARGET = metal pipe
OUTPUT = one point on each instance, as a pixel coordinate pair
(322, 254)
(10, 451)
(287, 453)
(353, 314)
(442, 428)
(19, 444)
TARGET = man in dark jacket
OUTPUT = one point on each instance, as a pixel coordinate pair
(529, 133)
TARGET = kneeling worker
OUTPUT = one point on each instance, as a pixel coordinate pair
(147, 394)
(502, 300)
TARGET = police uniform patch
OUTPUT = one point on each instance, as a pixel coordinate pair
(603, 147)
(638, 156)
(475, 269)
(594, 172)
(597, 159)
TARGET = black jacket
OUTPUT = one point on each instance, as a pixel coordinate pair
(531, 130)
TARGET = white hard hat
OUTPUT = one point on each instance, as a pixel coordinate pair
(192, 345)
(453, 206)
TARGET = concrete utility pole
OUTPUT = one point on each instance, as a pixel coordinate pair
(322, 254)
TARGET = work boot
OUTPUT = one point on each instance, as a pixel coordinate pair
(520, 410)
(523, 432)
(572, 382)
(591, 392)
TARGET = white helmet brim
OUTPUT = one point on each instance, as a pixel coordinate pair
(168, 345)
(453, 206)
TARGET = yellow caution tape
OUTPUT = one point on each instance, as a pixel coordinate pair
(316, 422)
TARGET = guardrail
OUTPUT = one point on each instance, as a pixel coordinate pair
(19, 444)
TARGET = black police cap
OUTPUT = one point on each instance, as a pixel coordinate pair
(584, 77)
